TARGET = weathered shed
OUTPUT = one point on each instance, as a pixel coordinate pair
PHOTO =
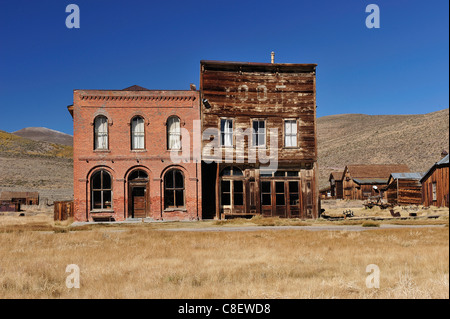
(24, 198)
(364, 181)
(435, 184)
(404, 189)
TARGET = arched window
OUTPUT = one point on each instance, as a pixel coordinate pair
(174, 189)
(101, 133)
(101, 190)
(173, 133)
(137, 133)
(231, 171)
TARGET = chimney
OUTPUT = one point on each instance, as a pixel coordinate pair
(272, 57)
(444, 153)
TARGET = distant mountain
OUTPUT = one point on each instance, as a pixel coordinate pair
(414, 140)
(46, 135)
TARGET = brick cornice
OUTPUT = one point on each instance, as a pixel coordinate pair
(137, 98)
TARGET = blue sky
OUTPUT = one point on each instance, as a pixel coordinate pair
(400, 68)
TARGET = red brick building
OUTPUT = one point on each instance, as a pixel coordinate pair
(134, 156)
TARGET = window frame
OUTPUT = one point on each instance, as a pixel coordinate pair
(169, 133)
(285, 135)
(174, 189)
(222, 133)
(133, 134)
(102, 190)
(96, 133)
(253, 145)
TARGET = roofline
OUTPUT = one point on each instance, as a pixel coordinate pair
(121, 90)
(432, 168)
(217, 62)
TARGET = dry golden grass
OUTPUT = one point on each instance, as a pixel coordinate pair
(146, 261)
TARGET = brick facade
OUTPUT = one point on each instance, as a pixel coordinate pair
(146, 193)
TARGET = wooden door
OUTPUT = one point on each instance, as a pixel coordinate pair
(280, 198)
(139, 202)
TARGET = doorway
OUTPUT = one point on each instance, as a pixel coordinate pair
(138, 205)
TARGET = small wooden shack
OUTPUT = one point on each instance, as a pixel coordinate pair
(364, 181)
(404, 189)
(23, 198)
(62, 210)
(435, 184)
(336, 185)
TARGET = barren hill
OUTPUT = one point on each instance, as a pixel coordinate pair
(414, 140)
(46, 135)
(28, 165)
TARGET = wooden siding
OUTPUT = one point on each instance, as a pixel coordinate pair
(244, 92)
(404, 192)
(62, 210)
(268, 95)
(440, 176)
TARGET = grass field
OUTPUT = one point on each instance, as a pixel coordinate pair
(147, 261)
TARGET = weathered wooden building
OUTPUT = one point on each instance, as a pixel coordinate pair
(435, 184)
(404, 189)
(23, 198)
(259, 145)
(335, 180)
(364, 181)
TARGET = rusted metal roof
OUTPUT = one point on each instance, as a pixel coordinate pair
(380, 171)
(415, 176)
(371, 181)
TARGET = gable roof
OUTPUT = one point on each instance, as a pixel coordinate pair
(376, 171)
(337, 176)
(442, 163)
(135, 88)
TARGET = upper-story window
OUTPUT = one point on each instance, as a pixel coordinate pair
(259, 133)
(226, 132)
(173, 133)
(137, 133)
(101, 133)
(290, 133)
